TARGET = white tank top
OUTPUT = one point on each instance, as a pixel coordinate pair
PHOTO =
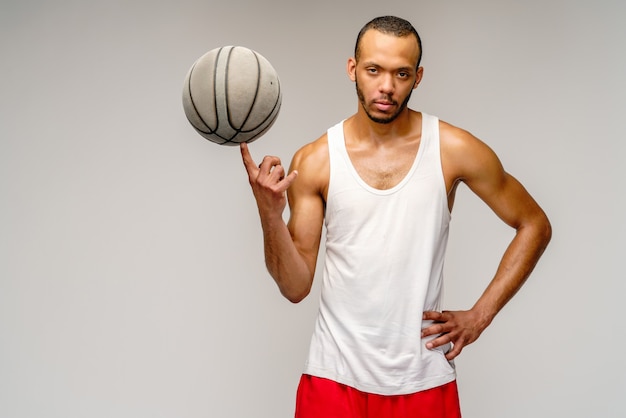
(383, 268)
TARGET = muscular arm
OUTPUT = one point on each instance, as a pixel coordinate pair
(467, 159)
(290, 249)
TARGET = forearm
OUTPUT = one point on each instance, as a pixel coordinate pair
(516, 265)
(284, 262)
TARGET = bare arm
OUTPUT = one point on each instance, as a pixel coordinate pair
(469, 160)
(290, 249)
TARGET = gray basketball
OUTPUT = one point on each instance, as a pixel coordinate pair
(232, 95)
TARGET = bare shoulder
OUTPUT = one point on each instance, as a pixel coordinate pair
(465, 157)
(312, 164)
(315, 152)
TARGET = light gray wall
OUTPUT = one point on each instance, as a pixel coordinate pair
(132, 281)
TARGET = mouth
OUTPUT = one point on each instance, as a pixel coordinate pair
(384, 105)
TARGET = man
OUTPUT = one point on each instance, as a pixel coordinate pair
(383, 181)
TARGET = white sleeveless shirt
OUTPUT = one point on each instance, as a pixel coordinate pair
(383, 268)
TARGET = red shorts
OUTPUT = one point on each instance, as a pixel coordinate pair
(323, 398)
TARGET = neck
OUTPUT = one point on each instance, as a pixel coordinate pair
(368, 130)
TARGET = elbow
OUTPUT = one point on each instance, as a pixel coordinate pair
(295, 300)
(296, 292)
(544, 231)
(294, 286)
(538, 231)
(548, 233)
(296, 296)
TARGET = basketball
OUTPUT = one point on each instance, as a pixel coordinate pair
(232, 95)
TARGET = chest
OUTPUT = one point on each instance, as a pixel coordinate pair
(384, 168)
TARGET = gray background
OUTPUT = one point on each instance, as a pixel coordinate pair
(132, 281)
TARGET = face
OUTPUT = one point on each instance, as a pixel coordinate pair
(385, 75)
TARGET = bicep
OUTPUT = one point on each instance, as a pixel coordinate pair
(306, 211)
(305, 226)
(504, 194)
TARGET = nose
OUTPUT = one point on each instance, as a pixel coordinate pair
(387, 84)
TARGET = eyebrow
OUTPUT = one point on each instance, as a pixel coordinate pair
(374, 64)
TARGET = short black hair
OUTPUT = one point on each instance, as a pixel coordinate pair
(390, 25)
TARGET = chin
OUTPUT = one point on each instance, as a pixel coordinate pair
(382, 119)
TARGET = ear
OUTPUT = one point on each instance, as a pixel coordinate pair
(418, 77)
(351, 68)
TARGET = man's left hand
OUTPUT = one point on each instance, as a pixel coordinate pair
(460, 328)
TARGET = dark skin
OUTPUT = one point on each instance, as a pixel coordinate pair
(382, 139)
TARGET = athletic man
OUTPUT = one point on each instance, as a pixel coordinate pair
(383, 181)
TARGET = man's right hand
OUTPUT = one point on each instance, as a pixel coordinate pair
(268, 182)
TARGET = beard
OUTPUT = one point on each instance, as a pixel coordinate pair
(383, 120)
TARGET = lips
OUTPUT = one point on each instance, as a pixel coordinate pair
(383, 106)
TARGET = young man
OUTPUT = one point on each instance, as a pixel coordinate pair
(383, 181)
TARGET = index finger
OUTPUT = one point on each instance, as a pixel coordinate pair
(432, 315)
(248, 162)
